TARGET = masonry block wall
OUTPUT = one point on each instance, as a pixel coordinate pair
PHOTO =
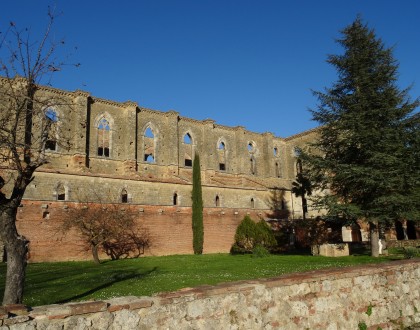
(385, 296)
(146, 155)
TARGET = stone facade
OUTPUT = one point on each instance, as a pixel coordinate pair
(383, 296)
(144, 157)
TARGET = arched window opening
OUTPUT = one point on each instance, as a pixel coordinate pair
(149, 158)
(222, 156)
(149, 146)
(252, 203)
(175, 199)
(278, 174)
(252, 163)
(124, 196)
(188, 161)
(51, 143)
(187, 139)
(103, 138)
(275, 152)
(298, 166)
(217, 201)
(250, 147)
(188, 150)
(61, 192)
(149, 133)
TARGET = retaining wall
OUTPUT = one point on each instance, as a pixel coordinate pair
(383, 295)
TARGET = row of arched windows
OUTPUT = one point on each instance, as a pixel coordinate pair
(104, 142)
(62, 194)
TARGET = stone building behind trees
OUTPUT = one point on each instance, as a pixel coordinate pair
(145, 158)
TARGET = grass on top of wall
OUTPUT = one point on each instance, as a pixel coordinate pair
(60, 282)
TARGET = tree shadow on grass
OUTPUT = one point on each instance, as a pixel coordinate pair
(116, 278)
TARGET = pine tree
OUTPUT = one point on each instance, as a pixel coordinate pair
(365, 157)
(197, 208)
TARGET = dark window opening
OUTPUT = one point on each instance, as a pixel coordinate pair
(61, 197)
(222, 167)
(124, 196)
(175, 200)
(50, 145)
(188, 162)
(252, 203)
(217, 201)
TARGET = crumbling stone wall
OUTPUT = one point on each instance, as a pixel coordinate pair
(385, 296)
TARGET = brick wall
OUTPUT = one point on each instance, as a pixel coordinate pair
(169, 228)
(385, 296)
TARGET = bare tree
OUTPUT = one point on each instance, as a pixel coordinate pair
(26, 127)
(107, 225)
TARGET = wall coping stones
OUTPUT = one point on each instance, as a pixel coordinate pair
(20, 314)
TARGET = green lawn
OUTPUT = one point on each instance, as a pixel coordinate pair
(49, 283)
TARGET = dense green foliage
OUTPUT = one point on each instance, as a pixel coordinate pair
(48, 283)
(250, 234)
(367, 156)
(302, 187)
(197, 208)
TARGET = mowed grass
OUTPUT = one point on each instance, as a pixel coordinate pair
(50, 283)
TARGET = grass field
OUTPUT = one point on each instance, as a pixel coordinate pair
(49, 283)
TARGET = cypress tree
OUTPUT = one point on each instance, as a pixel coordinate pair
(366, 158)
(197, 208)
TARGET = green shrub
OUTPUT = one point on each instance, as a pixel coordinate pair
(265, 236)
(250, 234)
(411, 252)
(260, 251)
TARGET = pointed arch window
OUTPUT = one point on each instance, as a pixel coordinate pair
(252, 203)
(222, 156)
(149, 145)
(188, 150)
(299, 168)
(217, 201)
(252, 165)
(124, 196)
(104, 137)
(61, 192)
(52, 118)
(277, 168)
(175, 199)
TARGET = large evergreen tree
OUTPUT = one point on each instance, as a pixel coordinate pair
(366, 158)
(197, 208)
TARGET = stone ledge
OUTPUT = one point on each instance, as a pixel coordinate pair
(20, 314)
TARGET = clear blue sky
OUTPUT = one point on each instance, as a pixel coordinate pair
(238, 62)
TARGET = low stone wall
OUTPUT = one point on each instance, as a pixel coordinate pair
(403, 243)
(384, 295)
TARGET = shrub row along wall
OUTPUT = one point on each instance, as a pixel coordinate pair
(384, 295)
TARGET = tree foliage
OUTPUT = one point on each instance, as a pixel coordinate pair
(197, 208)
(366, 160)
(25, 129)
(302, 187)
(107, 226)
(250, 234)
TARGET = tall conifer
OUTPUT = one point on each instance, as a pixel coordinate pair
(197, 208)
(366, 154)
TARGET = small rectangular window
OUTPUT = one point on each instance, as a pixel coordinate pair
(100, 151)
(50, 145)
(222, 167)
(188, 162)
(106, 152)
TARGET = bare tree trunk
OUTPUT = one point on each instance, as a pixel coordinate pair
(374, 239)
(95, 254)
(16, 249)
